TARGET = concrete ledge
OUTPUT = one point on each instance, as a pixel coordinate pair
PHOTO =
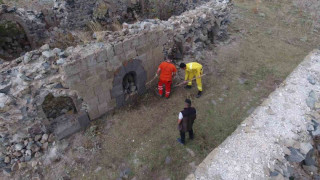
(263, 139)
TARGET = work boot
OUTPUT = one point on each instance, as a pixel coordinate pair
(188, 87)
(179, 140)
(199, 94)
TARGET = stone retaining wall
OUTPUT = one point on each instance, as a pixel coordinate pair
(276, 140)
(96, 76)
(96, 71)
(95, 67)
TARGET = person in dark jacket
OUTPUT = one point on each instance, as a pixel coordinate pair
(186, 120)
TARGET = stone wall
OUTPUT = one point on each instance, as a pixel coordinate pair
(97, 77)
(96, 71)
(280, 139)
(95, 67)
(74, 13)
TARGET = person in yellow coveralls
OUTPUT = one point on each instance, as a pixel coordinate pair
(192, 70)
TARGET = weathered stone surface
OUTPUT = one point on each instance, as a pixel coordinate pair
(295, 156)
(311, 100)
(305, 147)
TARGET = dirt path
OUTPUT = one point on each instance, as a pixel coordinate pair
(139, 142)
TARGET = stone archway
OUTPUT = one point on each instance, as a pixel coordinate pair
(31, 22)
(14, 41)
(62, 114)
(129, 80)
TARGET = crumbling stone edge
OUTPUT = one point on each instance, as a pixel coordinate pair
(277, 138)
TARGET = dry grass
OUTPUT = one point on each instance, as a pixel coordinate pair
(101, 9)
(63, 40)
(116, 26)
(84, 36)
(97, 29)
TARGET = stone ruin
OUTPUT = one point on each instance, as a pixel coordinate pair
(24, 30)
(50, 91)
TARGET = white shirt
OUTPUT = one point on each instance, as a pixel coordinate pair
(180, 116)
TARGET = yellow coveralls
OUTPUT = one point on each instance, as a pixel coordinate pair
(194, 69)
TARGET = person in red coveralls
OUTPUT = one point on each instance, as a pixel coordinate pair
(167, 71)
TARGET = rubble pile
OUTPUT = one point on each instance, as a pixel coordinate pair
(17, 155)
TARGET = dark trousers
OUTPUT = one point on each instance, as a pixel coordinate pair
(183, 135)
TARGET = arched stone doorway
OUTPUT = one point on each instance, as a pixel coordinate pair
(13, 40)
(63, 115)
(129, 81)
(20, 31)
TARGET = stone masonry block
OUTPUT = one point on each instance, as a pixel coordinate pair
(132, 65)
(73, 80)
(110, 52)
(150, 65)
(120, 101)
(119, 74)
(71, 69)
(92, 80)
(163, 39)
(103, 108)
(135, 41)
(117, 80)
(157, 54)
(142, 49)
(100, 68)
(141, 74)
(118, 49)
(153, 44)
(67, 129)
(117, 91)
(142, 40)
(122, 57)
(94, 112)
(142, 57)
(85, 74)
(84, 120)
(91, 60)
(91, 100)
(81, 88)
(98, 90)
(83, 65)
(107, 85)
(127, 45)
(103, 76)
(104, 97)
(102, 56)
(153, 36)
(131, 54)
(114, 63)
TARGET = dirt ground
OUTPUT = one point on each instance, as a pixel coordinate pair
(139, 141)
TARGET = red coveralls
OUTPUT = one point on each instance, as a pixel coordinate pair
(166, 71)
